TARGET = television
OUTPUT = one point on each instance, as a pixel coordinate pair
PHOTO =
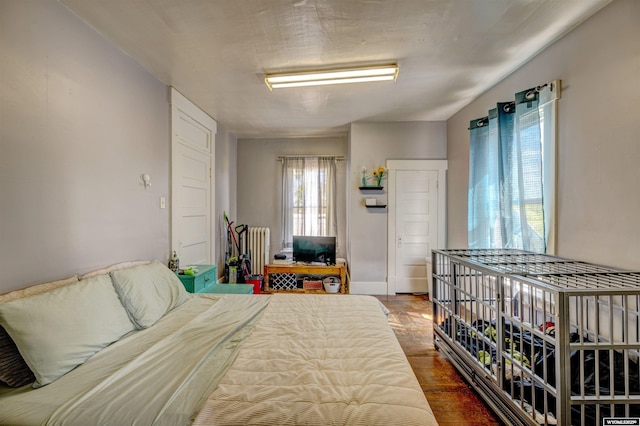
(314, 249)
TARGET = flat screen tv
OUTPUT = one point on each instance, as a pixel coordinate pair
(314, 249)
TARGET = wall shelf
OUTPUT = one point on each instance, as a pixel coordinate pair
(369, 190)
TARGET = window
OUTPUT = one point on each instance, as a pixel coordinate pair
(511, 200)
(308, 197)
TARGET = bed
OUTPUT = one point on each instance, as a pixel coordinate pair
(229, 360)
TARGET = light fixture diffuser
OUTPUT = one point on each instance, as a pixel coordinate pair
(335, 76)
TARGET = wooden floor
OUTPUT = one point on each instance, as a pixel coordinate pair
(452, 400)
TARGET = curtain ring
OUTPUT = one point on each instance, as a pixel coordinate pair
(531, 94)
(508, 107)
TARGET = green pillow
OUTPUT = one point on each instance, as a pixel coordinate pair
(58, 330)
(14, 372)
(148, 292)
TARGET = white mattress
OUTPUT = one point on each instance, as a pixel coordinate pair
(319, 360)
(280, 359)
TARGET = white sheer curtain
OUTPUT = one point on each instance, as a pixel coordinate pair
(308, 197)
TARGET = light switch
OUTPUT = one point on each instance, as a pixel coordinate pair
(163, 202)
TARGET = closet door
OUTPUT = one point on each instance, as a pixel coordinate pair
(192, 199)
(416, 223)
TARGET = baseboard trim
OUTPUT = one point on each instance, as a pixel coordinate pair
(368, 287)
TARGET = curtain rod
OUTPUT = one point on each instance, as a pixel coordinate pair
(554, 87)
(282, 157)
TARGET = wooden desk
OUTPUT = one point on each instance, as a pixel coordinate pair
(306, 269)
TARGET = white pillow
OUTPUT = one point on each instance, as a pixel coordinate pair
(58, 330)
(14, 372)
(148, 292)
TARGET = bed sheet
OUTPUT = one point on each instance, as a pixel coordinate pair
(319, 360)
(146, 377)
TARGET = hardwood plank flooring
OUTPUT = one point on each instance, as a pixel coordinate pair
(451, 398)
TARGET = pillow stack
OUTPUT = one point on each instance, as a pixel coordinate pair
(59, 329)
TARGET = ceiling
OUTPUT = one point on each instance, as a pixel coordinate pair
(216, 53)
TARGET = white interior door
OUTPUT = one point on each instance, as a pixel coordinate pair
(416, 217)
(416, 222)
(192, 201)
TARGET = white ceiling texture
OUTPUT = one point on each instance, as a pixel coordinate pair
(216, 53)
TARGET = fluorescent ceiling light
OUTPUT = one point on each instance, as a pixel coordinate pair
(341, 76)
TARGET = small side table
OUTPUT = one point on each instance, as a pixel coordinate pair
(201, 281)
(205, 281)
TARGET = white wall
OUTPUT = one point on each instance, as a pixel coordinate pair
(599, 148)
(226, 188)
(371, 144)
(80, 122)
(260, 186)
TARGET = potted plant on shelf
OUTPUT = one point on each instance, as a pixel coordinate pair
(378, 174)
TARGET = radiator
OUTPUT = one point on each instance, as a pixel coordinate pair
(258, 248)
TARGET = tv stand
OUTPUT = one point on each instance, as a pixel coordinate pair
(306, 269)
